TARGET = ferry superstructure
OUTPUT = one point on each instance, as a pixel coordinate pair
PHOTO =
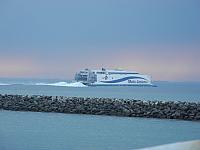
(107, 77)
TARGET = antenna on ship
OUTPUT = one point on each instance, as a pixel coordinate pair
(103, 69)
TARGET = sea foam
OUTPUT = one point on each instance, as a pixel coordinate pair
(66, 84)
(4, 84)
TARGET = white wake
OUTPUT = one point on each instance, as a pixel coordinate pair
(72, 84)
(4, 84)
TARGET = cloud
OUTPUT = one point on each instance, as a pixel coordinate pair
(13, 66)
(162, 62)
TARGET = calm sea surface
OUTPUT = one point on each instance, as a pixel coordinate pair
(179, 91)
(53, 131)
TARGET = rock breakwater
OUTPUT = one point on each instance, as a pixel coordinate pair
(102, 106)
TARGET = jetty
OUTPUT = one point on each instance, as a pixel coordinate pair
(102, 106)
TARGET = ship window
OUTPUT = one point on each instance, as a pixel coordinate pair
(100, 72)
(83, 72)
(121, 73)
(81, 77)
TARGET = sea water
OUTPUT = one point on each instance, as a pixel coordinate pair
(178, 91)
(54, 131)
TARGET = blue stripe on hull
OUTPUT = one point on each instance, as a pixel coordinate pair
(122, 85)
(123, 79)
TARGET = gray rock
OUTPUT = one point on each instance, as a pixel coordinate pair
(102, 106)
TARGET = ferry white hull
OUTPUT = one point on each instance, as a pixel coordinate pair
(118, 84)
(112, 78)
(124, 81)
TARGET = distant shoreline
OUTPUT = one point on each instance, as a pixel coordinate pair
(103, 106)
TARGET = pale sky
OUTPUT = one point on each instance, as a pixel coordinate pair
(56, 38)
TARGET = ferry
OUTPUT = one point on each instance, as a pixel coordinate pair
(116, 77)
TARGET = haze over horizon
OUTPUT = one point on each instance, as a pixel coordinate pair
(55, 39)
